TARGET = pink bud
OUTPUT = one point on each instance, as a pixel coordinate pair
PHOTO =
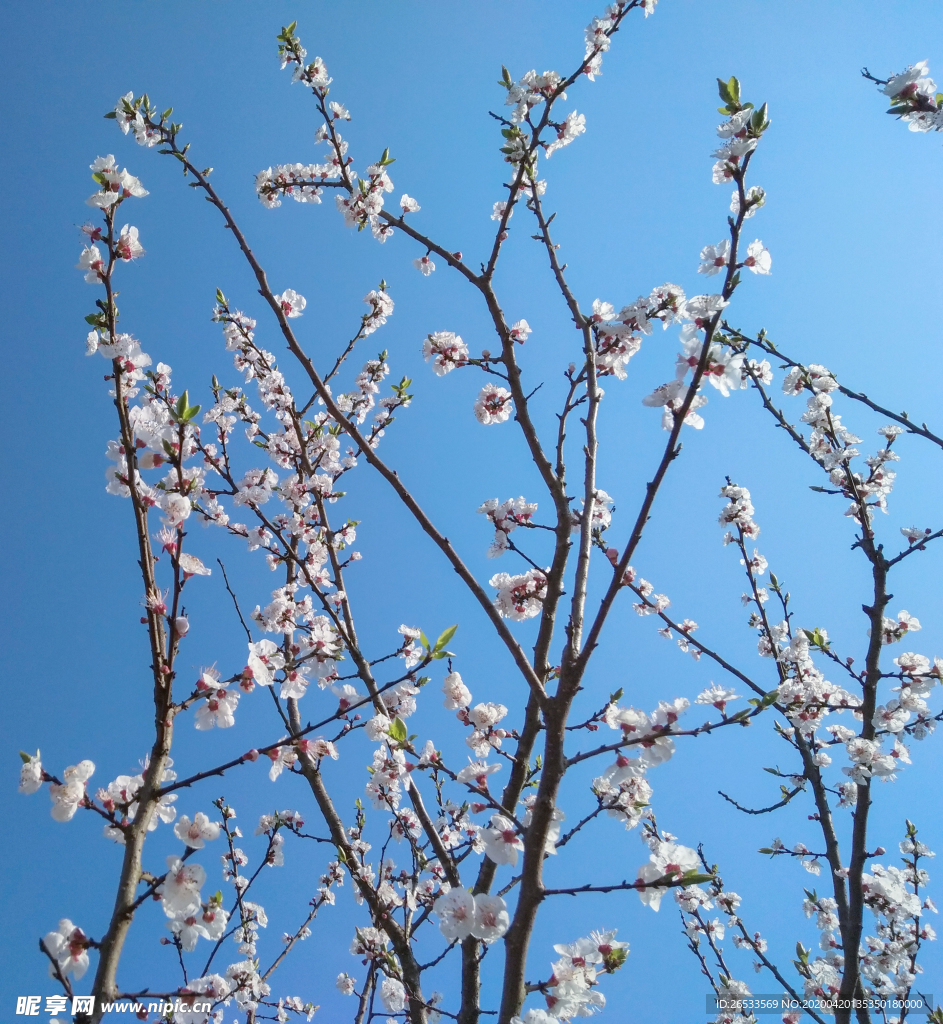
(181, 625)
(252, 755)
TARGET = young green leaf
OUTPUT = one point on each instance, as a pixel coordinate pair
(445, 637)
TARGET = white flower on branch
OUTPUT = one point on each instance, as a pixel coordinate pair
(195, 834)
(501, 840)
(68, 948)
(291, 303)
(493, 405)
(520, 597)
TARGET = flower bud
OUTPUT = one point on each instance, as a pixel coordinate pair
(181, 625)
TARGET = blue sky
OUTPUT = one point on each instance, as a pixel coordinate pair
(855, 234)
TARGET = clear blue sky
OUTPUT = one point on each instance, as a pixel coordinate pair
(854, 228)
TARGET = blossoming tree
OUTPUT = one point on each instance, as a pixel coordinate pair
(445, 853)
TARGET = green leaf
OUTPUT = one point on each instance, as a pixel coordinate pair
(424, 640)
(111, 115)
(220, 298)
(695, 878)
(341, 856)
(723, 89)
(759, 122)
(733, 87)
(615, 959)
(445, 637)
(26, 758)
(397, 730)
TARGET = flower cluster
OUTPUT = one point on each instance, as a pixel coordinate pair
(618, 336)
(668, 863)
(506, 517)
(362, 206)
(572, 990)
(294, 180)
(70, 793)
(120, 800)
(520, 597)
(832, 445)
(461, 914)
(914, 98)
(622, 789)
(493, 405)
(447, 351)
(807, 695)
(706, 356)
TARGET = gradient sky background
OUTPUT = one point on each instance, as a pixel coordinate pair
(854, 226)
